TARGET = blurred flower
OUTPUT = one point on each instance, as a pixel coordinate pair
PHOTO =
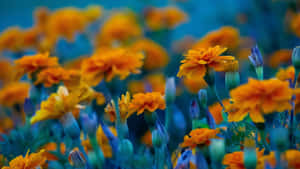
(56, 106)
(93, 12)
(280, 57)
(136, 86)
(147, 102)
(182, 45)
(258, 98)
(226, 37)
(51, 76)
(199, 137)
(197, 61)
(243, 54)
(124, 102)
(155, 55)
(31, 64)
(287, 74)
(168, 17)
(147, 138)
(8, 72)
(109, 63)
(120, 27)
(194, 83)
(155, 82)
(236, 159)
(295, 24)
(6, 124)
(14, 93)
(292, 157)
(30, 161)
(216, 111)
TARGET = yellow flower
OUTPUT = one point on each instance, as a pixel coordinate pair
(197, 61)
(120, 26)
(109, 63)
(155, 55)
(14, 93)
(33, 63)
(199, 137)
(124, 102)
(30, 161)
(287, 74)
(235, 160)
(104, 142)
(279, 57)
(51, 76)
(56, 106)
(147, 102)
(227, 37)
(168, 17)
(258, 98)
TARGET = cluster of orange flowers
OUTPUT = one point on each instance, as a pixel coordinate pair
(199, 137)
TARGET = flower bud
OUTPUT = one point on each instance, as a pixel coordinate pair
(256, 57)
(170, 90)
(194, 109)
(125, 148)
(232, 80)
(77, 159)
(157, 139)
(280, 138)
(217, 150)
(250, 156)
(296, 57)
(202, 97)
(89, 123)
(70, 125)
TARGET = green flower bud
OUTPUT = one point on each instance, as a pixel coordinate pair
(202, 97)
(232, 80)
(250, 158)
(125, 148)
(217, 150)
(296, 57)
(280, 138)
(170, 90)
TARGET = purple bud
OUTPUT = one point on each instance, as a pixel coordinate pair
(89, 123)
(256, 57)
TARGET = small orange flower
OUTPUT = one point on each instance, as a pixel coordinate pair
(279, 57)
(148, 102)
(110, 63)
(30, 161)
(33, 63)
(155, 55)
(287, 74)
(227, 37)
(147, 138)
(292, 157)
(124, 102)
(197, 61)
(199, 137)
(295, 24)
(121, 26)
(258, 98)
(14, 93)
(51, 76)
(10, 39)
(235, 160)
(169, 17)
(216, 111)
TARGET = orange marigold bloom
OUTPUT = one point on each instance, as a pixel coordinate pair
(193, 84)
(292, 157)
(33, 63)
(30, 161)
(10, 39)
(199, 137)
(258, 98)
(169, 17)
(124, 102)
(51, 76)
(287, 74)
(197, 61)
(155, 55)
(7, 72)
(14, 93)
(148, 102)
(110, 63)
(226, 36)
(216, 111)
(120, 26)
(235, 160)
(279, 57)
(104, 142)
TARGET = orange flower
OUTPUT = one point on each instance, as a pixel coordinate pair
(287, 74)
(124, 102)
(258, 98)
(109, 63)
(155, 55)
(147, 138)
(14, 93)
(52, 146)
(136, 86)
(227, 37)
(279, 57)
(216, 111)
(235, 160)
(292, 157)
(197, 61)
(121, 26)
(295, 24)
(10, 39)
(7, 72)
(31, 161)
(33, 63)
(157, 82)
(194, 83)
(104, 142)
(6, 124)
(51, 76)
(169, 17)
(199, 137)
(147, 102)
